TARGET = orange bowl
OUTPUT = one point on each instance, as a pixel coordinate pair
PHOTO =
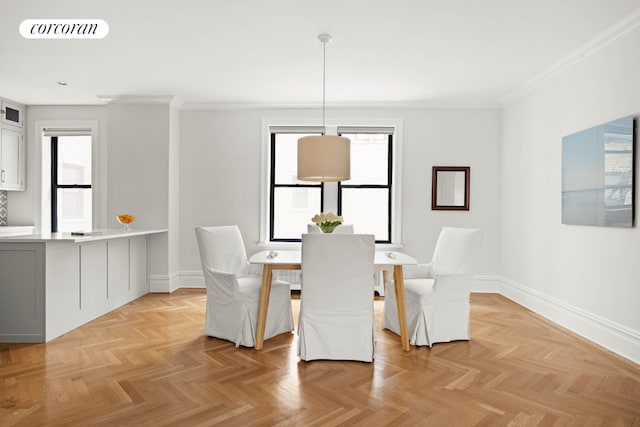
(125, 218)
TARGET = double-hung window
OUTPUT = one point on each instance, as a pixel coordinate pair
(292, 202)
(368, 200)
(71, 188)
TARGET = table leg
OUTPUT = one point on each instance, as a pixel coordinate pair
(265, 293)
(385, 277)
(398, 282)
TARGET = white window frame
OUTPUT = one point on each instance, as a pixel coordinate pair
(331, 189)
(42, 171)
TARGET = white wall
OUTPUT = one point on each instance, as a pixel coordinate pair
(133, 161)
(220, 173)
(174, 190)
(143, 177)
(24, 206)
(213, 156)
(137, 165)
(587, 278)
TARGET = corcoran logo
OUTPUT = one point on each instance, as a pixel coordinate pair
(64, 28)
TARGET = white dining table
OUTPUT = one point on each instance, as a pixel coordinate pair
(291, 260)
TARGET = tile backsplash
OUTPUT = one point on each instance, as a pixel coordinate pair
(3, 207)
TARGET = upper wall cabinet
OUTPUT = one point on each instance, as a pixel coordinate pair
(11, 160)
(12, 147)
(11, 114)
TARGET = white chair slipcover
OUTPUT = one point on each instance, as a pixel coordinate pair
(233, 294)
(336, 300)
(341, 229)
(437, 294)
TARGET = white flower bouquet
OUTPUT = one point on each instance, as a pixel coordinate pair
(327, 221)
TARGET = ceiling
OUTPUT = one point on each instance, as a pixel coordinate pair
(265, 53)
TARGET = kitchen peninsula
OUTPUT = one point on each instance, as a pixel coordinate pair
(53, 283)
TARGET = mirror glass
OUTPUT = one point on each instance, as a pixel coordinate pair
(450, 189)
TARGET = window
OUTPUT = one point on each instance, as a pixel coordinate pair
(369, 200)
(292, 202)
(71, 189)
(366, 199)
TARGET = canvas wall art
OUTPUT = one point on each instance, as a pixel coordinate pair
(598, 175)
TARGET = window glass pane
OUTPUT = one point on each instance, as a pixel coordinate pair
(74, 160)
(369, 159)
(286, 157)
(368, 210)
(293, 210)
(74, 209)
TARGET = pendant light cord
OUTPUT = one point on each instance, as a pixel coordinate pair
(324, 71)
(324, 39)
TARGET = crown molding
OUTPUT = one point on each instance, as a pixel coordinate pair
(141, 99)
(349, 105)
(613, 33)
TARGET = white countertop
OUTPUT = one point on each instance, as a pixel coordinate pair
(15, 230)
(67, 237)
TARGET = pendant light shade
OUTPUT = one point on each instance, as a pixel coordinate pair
(324, 158)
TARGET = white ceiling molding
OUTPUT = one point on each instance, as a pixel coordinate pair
(355, 105)
(613, 33)
(138, 99)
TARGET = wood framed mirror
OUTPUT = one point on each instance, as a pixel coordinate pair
(450, 188)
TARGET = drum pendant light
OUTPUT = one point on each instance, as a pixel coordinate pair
(324, 158)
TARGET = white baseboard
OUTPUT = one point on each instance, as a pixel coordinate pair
(610, 335)
(164, 283)
(486, 284)
(192, 279)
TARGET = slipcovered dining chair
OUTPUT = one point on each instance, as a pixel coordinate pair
(233, 294)
(437, 293)
(336, 298)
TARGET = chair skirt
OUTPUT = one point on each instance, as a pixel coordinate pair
(430, 318)
(338, 336)
(236, 320)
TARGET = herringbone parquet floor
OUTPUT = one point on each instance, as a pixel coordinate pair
(148, 364)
